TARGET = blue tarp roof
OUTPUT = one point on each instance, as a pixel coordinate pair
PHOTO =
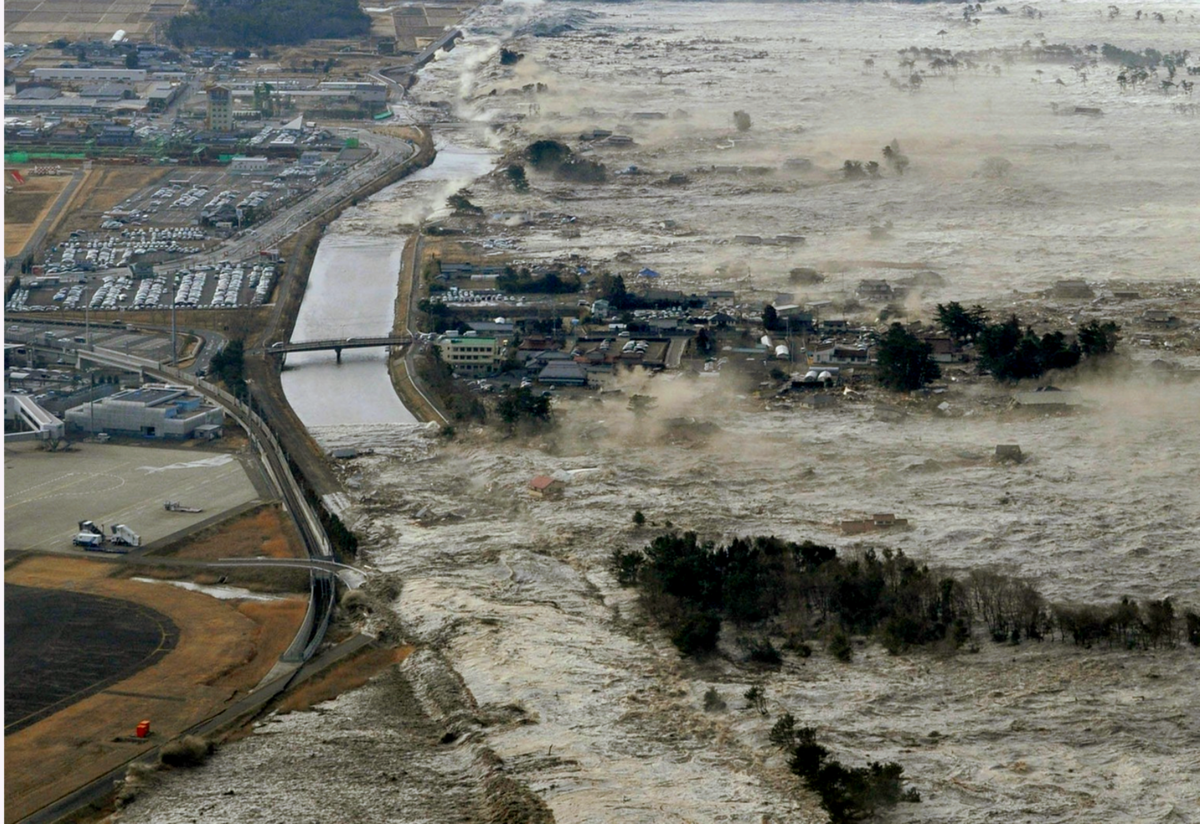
(648, 273)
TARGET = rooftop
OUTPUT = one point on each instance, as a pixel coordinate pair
(148, 395)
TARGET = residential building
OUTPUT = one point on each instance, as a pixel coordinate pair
(841, 355)
(875, 290)
(543, 486)
(944, 350)
(1160, 317)
(563, 373)
(884, 520)
(1072, 289)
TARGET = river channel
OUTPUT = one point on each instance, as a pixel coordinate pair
(352, 291)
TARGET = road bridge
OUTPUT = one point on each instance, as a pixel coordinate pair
(338, 344)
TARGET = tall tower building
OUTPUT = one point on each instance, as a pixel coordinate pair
(220, 109)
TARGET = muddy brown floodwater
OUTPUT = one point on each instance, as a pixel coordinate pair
(532, 652)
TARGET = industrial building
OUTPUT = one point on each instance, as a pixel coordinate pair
(90, 75)
(155, 410)
(243, 165)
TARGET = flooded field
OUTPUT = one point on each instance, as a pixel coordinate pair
(530, 647)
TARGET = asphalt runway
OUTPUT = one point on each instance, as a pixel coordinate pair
(46, 494)
(62, 646)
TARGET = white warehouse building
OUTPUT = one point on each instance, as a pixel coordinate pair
(155, 410)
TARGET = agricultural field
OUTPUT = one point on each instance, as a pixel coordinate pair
(40, 21)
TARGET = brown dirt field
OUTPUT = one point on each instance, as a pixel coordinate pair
(26, 206)
(262, 532)
(345, 676)
(102, 189)
(223, 650)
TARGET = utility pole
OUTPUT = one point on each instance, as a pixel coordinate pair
(174, 358)
(92, 402)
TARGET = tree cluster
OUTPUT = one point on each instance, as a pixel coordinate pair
(521, 281)
(267, 22)
(460, 203)
(847, 793)
(522, 410)
(1011, 353)
(896, 159)
(856, 170)
(516, 175)
(229, 367)
(441, 317)
(905, 362)
(1146, 59)
(690, 587)
(460, 403)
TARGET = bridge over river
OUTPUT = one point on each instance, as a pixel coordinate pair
(338, 344)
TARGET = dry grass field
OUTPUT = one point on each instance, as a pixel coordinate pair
(345, 676)
(224, 649)
(26, 206)
(263, 532)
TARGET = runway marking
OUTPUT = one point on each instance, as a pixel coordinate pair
(203, 463)
(65, 493)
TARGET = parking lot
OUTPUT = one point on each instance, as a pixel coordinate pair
(190, 198)
(190, 211)
(46, 494)
(225, 285)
